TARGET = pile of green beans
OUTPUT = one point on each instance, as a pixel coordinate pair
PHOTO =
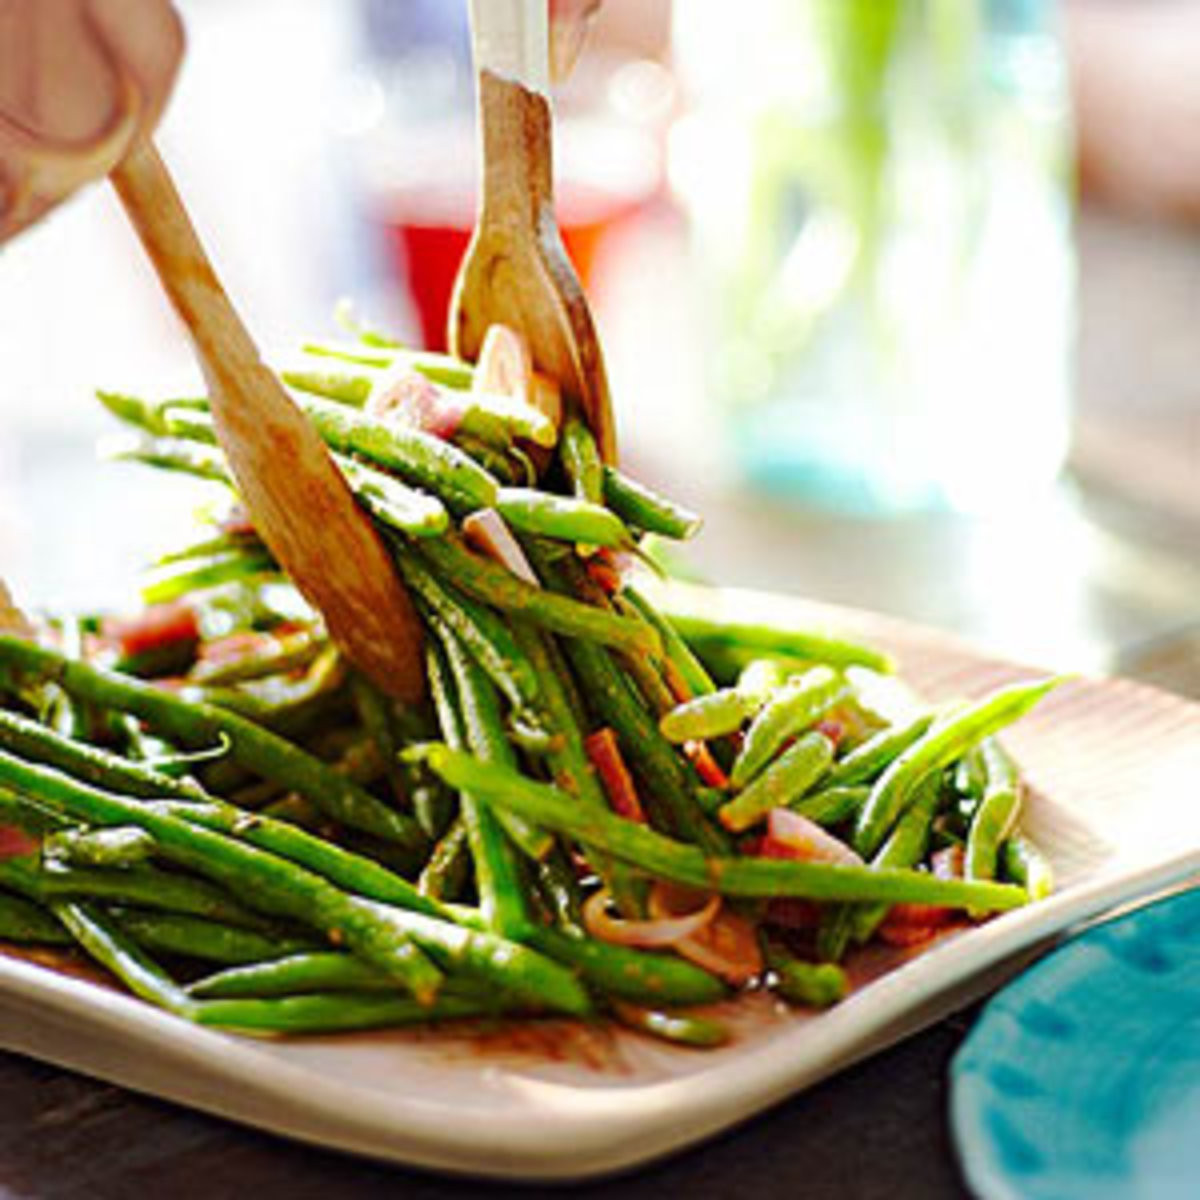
(265, 843)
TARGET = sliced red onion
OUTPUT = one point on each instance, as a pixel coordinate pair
(790, 835)
(600, 921)
(727, 945)
(405, 395)
(487, 532)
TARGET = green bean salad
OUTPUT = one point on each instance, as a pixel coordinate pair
(604, 808)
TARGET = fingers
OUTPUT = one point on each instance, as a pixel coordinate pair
(81, 83)
(569, 22)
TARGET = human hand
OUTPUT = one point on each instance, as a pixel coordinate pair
(81, 83)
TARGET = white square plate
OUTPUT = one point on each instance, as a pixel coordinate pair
(1113, 769)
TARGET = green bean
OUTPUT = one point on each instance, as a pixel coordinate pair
(944, 742)
(806, 984)
(502, 464)
(295, 974)
(666, 789)
(119, 847)
(169, 454)
(646, 509)
(559, 890)
(394, 503)
(360, 354)
(754, 639)
(789, 776)
(444, 874)
(792, 709)
(382, 743)
(615, 970)
(233, 566)
(637, 975)
(24, 922)
(333, 385)
(418, 458)
(340, 1012)
(709, 716)
(147, 886)
(497, 871)
(831, 805)
(30, 739)
(481, 727)
(904, 848)
(995, 815)
(1024, 864)
(865, 762)
(677, 651)
(439, 368)
(484, 411)
(378, 932)
(581, 460)
(381, 935)
(642, 976)
(148, 415)
(185, 936)
(111, 947)
(648, 679)
(22, 873)
(678, 862)
(563, 518)
(202, 724)
(189, 420)
(560, 710)
(493, 584)
(490, 642)
(353, 872)
(680, 1029)
(666, 783)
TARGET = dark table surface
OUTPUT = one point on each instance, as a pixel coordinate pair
(876, 1130)
(879, 1129)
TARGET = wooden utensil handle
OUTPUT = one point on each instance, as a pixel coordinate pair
(517, 189)
(165, 230)
(511, 38)
(298, 499)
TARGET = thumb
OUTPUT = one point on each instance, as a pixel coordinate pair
(146, 38)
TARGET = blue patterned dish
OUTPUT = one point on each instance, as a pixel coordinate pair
(1082, 1079)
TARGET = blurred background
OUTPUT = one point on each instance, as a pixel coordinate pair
(903, 295)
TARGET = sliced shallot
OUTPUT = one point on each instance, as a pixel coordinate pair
(790, 835)
(406, 396)
(663, 930)
(486, 531)
(727, 946)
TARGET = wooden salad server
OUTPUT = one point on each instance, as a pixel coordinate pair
(516, 271)
(300, 504)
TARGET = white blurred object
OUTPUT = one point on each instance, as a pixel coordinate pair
(246, 134)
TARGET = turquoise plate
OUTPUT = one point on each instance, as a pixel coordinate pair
(1082, 1079)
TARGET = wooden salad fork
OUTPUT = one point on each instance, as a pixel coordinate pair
(301, 505)
(516, 271)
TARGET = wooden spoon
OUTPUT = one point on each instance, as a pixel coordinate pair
(301, 506)
(516, 271)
